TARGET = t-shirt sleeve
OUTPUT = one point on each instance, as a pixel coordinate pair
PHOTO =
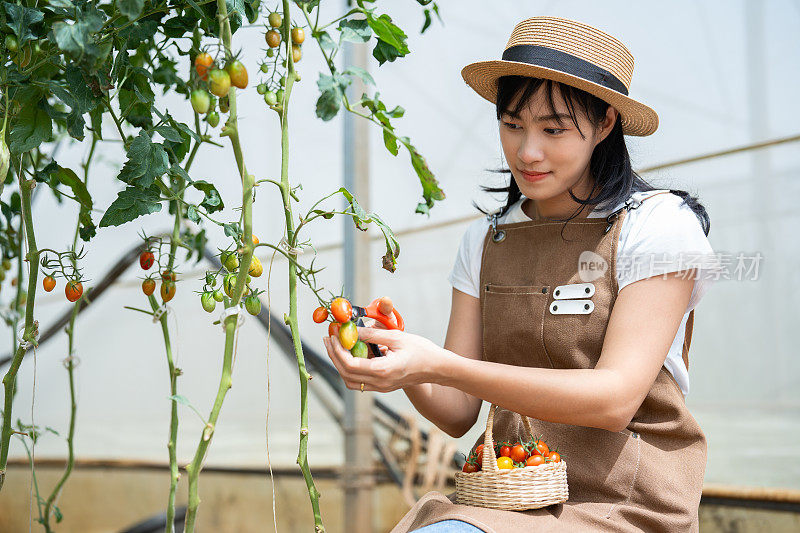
(466, 273)
(663, 236)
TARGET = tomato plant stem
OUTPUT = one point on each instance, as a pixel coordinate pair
(174, 475)
(70, 366)
(30, 332)
(194, 468)
(302, 455)
(73, 408)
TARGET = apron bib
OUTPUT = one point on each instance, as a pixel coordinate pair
(646, 477)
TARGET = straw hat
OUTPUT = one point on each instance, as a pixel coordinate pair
(573, 53)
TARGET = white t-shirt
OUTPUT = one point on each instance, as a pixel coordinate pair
(660, 227)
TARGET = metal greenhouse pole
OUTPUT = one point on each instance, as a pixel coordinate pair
(358, 473)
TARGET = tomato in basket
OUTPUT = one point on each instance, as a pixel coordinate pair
(534, 460)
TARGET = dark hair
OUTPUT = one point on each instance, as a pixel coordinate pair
(614, 180)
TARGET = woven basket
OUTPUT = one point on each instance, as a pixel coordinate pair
(514, 489)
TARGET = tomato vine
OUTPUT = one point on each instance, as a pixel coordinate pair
(69, 64)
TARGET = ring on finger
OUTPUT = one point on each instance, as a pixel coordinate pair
(362, 386)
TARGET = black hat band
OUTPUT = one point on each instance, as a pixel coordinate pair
(543, 56)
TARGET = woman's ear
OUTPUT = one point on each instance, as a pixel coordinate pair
(607, 124)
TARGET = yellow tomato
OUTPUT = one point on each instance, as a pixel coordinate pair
(505, 463)
(256, 269)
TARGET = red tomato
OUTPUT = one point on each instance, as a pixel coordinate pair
(341, 310)
(202, 63)
(167, 290)
(534, 460)
(542, 448)
(49, 283)
(146, 260)
(73, 290)
(469, 468)
(320, 315)
(148, 286)
(518, 453)
(554, 457)
(333, 329)
(505, 451)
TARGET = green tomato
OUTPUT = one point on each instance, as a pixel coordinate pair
(11, 43)
(224, 104)
(275, 20)
(282, 81)
(219, 82)
(6, 264)
(270, 52)
(218, 296)
(212, 119)
(270, 98)
(229, 284)
(230, 260)
(264, 68)
(201, 101)
(208, 301)
(279, 95)
(253, 305)
(360, 349)
(262, 88)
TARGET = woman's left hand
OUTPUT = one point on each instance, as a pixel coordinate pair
(409, 360)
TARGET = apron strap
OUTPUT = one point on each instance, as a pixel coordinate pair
(687, 339)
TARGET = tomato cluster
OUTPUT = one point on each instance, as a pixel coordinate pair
(218, 82)
(274, 96)
(510, 455)
(211, 295)
(342, 325)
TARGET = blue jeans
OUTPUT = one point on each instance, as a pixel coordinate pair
(449, 526)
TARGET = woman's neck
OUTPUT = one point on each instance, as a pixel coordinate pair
(553, 209)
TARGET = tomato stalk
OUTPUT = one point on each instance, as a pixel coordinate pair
(48, 508)
(174, 475)
(194, 468)
(31, 327)
(291, 320)
(70, 330)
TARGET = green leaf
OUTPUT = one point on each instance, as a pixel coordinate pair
(20, 20)
(232, 230)
(391, 42)
(130, 204)
(333, 89)
(212, 201)
(361, 73)
(67, 177)
(361, 218)
(191, 214)
(77, 38)
(169, 133)
(355, 30)
(390, 141)
(184, 401)
(31, 127)
(57, 513)
(130, 8)
(430, 186)
(147, 161)
(326, 42)
(384, 52)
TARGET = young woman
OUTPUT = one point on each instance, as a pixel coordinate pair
(572, 305)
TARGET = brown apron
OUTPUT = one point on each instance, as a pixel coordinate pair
(646, 478)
